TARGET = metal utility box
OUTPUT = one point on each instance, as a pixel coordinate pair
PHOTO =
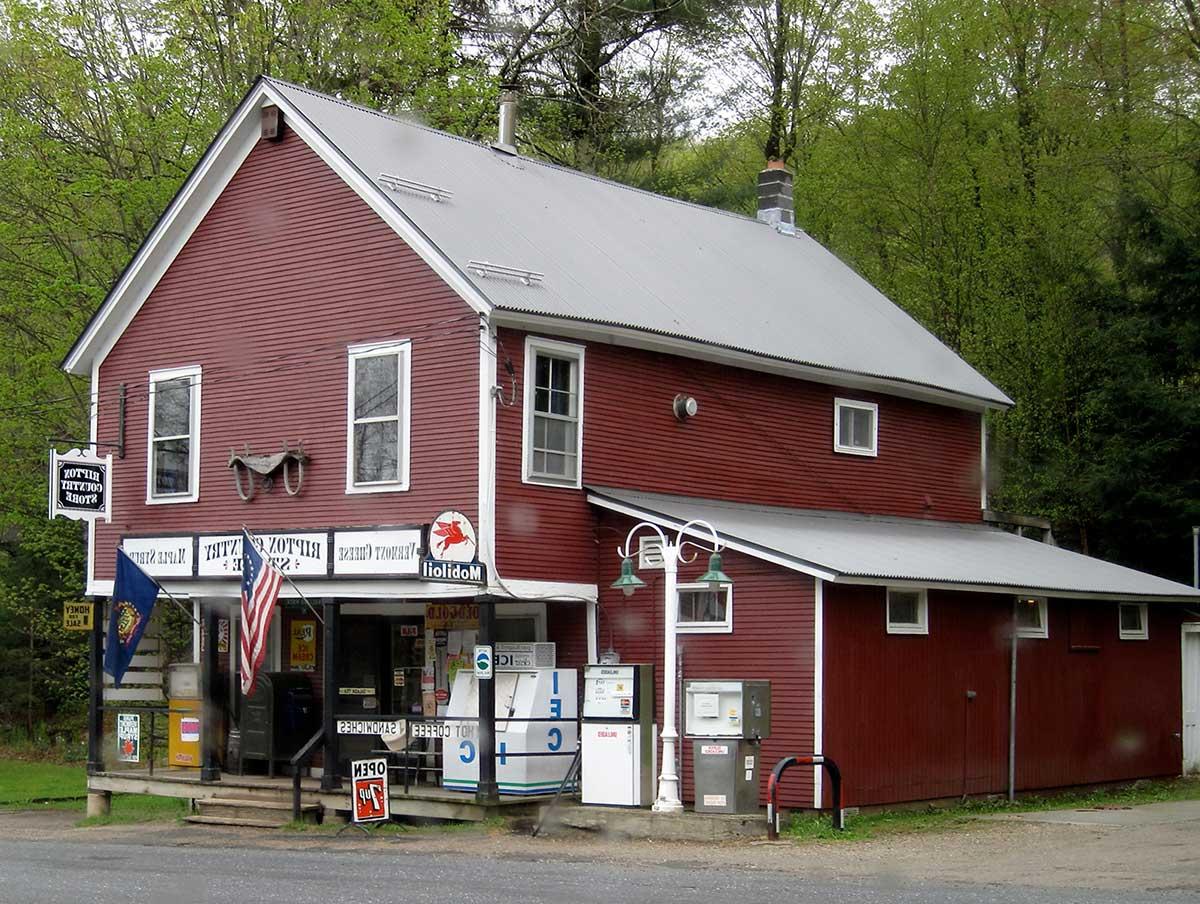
(727, 719)
(184, 714)
(619, 738)
(278, 718)
(726, 775)
(727, 709)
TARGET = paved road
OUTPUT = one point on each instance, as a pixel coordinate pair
(60, 871)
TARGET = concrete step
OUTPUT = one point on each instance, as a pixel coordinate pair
(235, 821)
(254, 811)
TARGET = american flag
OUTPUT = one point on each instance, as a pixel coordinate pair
(260, 587)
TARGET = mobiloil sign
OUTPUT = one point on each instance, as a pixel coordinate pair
(452, 551)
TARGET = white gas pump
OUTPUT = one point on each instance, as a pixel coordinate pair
(620, 739)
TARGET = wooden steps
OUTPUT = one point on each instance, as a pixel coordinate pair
(250, 811)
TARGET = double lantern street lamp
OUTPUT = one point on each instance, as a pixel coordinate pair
(673, 553)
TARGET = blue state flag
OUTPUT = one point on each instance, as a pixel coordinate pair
(134, 593)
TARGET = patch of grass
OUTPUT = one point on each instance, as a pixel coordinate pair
(332, 828)
(129, 808)
(22, 783)
(807, 827)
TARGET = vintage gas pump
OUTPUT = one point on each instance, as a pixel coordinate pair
(620, 739)
(727, 720)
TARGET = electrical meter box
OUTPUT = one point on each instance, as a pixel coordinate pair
(727, 709)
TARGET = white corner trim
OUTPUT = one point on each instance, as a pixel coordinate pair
(487, 445)
(593, 632)
(818, 685)
(533, 345)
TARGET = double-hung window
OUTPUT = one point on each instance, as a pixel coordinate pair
(553, 431)
(855, 427)
(173, 460)
(377, 417)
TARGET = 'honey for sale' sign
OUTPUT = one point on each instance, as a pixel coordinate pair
(369, 790)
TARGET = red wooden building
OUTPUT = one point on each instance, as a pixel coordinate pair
(445, 325)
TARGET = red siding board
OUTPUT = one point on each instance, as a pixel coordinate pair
(898, 722)
(288, 268)
(757, 438)
(772, 639)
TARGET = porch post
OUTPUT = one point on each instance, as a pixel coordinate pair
(95, 760)
(330, 780)
(487, 792)
(210, 707)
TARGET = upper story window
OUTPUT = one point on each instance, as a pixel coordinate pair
(855, 427)
(907, 612)
(703, 610)
(173, 459)
(377, 417)
(553, 433)
(1032, 617)
(1134, 621)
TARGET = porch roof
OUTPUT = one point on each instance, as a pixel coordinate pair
(871, 549)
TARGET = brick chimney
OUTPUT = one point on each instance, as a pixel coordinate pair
(775, 196)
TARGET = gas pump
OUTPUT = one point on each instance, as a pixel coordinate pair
(620, 739)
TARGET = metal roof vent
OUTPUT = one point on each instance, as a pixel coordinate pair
(506, 136)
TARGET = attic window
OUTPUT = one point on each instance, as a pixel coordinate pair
(1134, 621)
(855, 427)
(1032, 617)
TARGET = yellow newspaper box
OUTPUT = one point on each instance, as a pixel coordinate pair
(183, 697)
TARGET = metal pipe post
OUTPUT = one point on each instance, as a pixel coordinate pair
(668, 780)
(487, 791)
(95, 760)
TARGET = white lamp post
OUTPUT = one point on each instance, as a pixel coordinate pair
(668, 800)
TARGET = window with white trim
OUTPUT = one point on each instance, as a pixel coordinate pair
(703, 610)
(1033, 617)
(855, 427)
(1133, 621)
(377, 417)
(173, 458)
(553, 431)
(907, 611)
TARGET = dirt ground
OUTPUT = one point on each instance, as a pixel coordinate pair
(1141, 849)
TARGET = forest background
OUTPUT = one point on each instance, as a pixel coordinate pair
(1020, 175)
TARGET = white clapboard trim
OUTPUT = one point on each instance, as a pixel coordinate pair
(133, 694)
(136, 677)
(146, 660)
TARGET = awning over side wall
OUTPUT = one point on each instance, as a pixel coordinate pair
(867, 549)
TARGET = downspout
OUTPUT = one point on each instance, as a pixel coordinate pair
(1012, 709)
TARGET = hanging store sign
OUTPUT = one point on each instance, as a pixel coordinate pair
(299, 554)
(79, 486)
(383, 553)
(369, 790)
(161, 557)
(452, 551)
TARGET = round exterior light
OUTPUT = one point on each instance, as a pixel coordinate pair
(685, 406)
(628, 581)
(715, 578)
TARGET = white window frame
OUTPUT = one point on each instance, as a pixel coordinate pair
(721, 627)
(533, 346)
(1043, 632)
(921, 626)
(839, 405)
(403, 349)
(1144, 632)
(193, 493)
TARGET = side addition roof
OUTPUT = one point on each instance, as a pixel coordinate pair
(612, 256)
(856, 549)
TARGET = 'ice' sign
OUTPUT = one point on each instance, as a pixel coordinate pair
(369, 790)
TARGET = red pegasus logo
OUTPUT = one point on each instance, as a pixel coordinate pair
(451, 533)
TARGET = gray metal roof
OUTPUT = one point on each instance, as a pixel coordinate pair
(623, 257)
(848, 547)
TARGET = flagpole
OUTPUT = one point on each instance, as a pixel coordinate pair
(186, 611)
(267, 556)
